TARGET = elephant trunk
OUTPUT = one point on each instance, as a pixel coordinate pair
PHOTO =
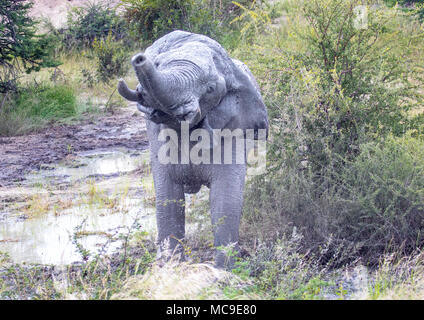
(127, 93)
(168, 89)
(152, 80)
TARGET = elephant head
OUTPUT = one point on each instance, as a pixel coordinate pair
(190, 77)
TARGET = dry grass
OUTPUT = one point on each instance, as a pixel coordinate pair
(38, 205)
(405, 292)
(179, 281)
(398, 278)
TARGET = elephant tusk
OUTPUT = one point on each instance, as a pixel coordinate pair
(127, 93)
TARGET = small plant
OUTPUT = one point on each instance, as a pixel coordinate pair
(148, 188)
(241, 268)
(37, 206)
(85, 253)
(280, 271)
(311, 290)
(341, 292)
(70, 149)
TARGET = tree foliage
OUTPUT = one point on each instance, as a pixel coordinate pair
(21, 48)
(151, 19)
(89, 22)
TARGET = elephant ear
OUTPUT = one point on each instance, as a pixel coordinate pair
(242, 107)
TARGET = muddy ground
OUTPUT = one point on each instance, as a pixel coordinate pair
(20, 155)
(93, 174)
(39, 223)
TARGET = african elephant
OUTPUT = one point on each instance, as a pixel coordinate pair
(188, 81)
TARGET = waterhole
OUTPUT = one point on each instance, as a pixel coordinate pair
(90, 201)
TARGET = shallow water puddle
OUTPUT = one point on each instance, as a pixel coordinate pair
(106, 198)
(48, 239)
(91, 164)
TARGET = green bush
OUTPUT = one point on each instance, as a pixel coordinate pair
(33, 107)
(385, 187)
(111, 58)
(90, 22)
(48, 102)
(151, 19)
(334, 91)
(375, 205)
(363, 81)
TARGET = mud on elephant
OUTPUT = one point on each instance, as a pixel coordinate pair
(188, 82)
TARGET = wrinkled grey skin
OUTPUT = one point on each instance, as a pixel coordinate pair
(190, 77)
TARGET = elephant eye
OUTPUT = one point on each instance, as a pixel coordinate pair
(173, 107)
(210, 89)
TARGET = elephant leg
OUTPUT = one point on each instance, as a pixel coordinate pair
(170, 214)
(226, 201)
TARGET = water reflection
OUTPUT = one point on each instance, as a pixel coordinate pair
(48, 238)
(92, 163)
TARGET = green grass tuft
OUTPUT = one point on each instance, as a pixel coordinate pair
(48, 102)
(35, 106)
